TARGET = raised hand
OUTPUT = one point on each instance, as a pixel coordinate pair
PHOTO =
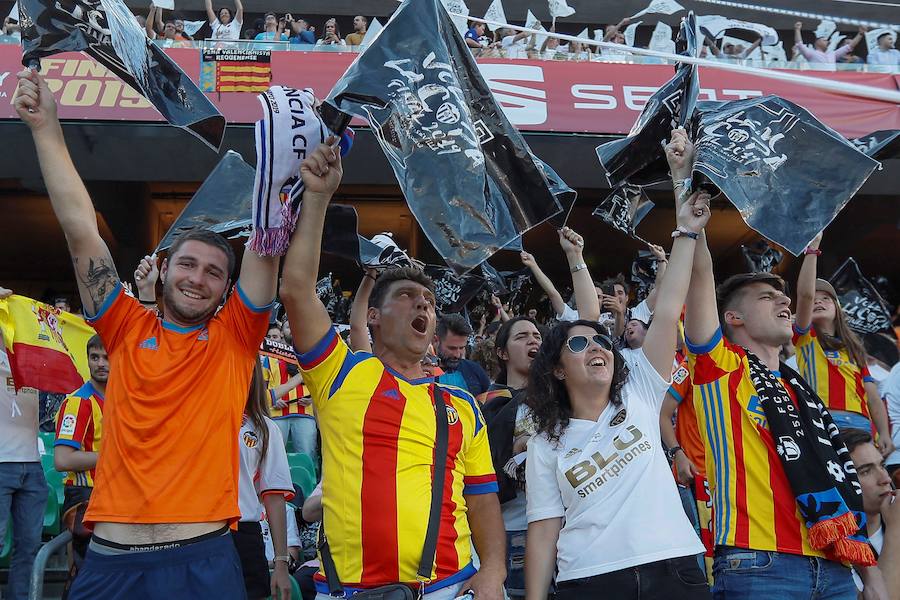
(570, 242)
(658, 252)
(322, 171)
(693, 214)
(528, 259)
(145, 276)
(34, 101)
(680, 154)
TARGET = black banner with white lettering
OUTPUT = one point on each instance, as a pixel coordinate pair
(624, 209)
(520, 284)
(880, 145)
(643, 273)
(639, 158)
(107, 32)
(788, 174)
(467, 174)
(494, 279)
(452, 292)
(760, 257)
(866, 310)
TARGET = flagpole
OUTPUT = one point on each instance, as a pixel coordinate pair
(803, 14)
(837, 87)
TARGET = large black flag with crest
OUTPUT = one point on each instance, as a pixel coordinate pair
(107, 32)
(467, 174)
(880, 145)
(452, 292)
(624, 209)
(639, 158)
(788, 174)
(864, 307)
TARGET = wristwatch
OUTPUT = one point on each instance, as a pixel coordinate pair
(671, 452)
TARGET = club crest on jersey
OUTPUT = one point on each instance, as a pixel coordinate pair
(619, 418)
(67, 427)
(452, 416)
(250, 439)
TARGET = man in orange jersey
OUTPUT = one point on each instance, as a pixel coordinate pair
(768, 525)
(166, 485)
(79, 429)
(377, 418)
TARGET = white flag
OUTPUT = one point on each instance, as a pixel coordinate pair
(532, 22)
(458, 7)
(560, 9)
(629, 33)
(717, 26)
(835, 40)
(871, 37)
(495, 12)
(825, 29)
(584, 34)
(776, 52)
(374, 29)
(166, 4)
(661, 41)
(192, 27)
(14, 12)
(664, 7)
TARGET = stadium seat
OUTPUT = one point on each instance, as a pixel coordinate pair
(55, 481)
(51, 515)
(299, 459)
(304, 478)
(6, 551)
(49, 438)
(47, 463)
(295, 591)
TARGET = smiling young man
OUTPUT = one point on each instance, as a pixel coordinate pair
(166, 485)
(376, 413)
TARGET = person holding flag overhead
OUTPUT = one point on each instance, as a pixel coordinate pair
(383, 422)
(166, 489)
(832, 359)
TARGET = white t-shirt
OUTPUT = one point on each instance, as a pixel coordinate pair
(641, 311)
(18, 417)
(514, 48)
(231, 31)
(293, 534)
(256, 477)
(611, 482)
(890, 57)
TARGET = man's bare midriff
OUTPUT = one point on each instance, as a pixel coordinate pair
(153, 533)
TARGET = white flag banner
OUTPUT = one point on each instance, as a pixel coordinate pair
(871, 37)
(559, 9)
(192, 27)
(458, 7)
(835, 40)
(661, 40)
(14, 12)
(584, 34)
(825, 29)
(663, 7)
(738, 43)
(374, 29)
(629, 33)
(776, 52)
(532, 22)
(166, 4)
(717, 26)
(496, 13)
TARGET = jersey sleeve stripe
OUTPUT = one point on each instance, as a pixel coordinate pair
(70, 443)
(704, 348)
(319, 352)
(250, 305)
(288, 494)
(481, 488)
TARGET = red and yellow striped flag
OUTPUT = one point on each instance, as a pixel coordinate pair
(234, 70)
(47, 348)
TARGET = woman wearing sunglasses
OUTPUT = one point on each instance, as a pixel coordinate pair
(602, 504)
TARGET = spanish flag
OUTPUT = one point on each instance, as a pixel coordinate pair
(47, 348)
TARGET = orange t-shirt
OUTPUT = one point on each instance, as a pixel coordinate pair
(175, 398)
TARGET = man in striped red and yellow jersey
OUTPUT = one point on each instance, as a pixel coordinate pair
(289, 403)
(376, 414)
(762, 540)
(79, 428)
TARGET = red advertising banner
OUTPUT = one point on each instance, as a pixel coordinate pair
(551, 96)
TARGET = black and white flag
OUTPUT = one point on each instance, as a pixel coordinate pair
(106, 31)
(643, 273)
(452, 292)
(467, 174)
(880, 145)
(494, 279)
(520, 284)
(760, 257)
(788, 174)
(639, 158)
(866, 310)
(624, 208)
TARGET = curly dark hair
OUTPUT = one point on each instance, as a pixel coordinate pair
(547, 396)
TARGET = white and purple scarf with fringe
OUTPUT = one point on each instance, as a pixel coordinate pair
(288, 132)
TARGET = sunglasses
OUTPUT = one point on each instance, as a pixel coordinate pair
(579, 343)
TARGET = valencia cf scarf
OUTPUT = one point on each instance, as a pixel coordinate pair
(817, 465)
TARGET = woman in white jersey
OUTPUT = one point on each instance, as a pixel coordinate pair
(225, 25)
(264, 483)
(602, 505)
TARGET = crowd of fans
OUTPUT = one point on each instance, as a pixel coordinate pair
(599, 451)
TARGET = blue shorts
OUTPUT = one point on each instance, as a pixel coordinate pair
(207, 569)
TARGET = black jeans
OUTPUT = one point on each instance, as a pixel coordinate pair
(672, 579)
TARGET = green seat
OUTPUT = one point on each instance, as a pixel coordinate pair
(49, 439)
(47, 463)
(51, 515)
(304, 478)
(299, 459)
(295, 591)
(55, 481)
(6, 551)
